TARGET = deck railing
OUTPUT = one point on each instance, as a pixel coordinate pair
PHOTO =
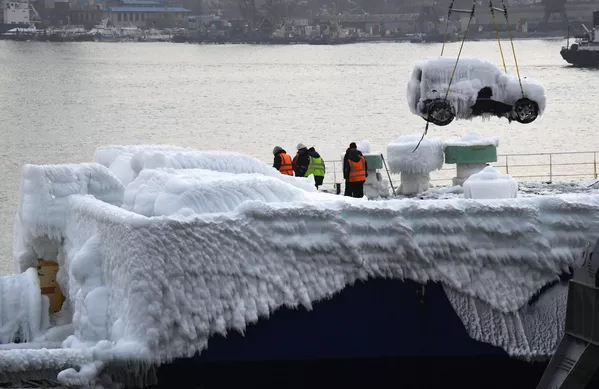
(559, 166)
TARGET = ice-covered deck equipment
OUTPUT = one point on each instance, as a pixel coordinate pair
(471, 154)
(415, 165)
(490, 184)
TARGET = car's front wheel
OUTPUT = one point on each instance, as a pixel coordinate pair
(525, 110)
(439, 112)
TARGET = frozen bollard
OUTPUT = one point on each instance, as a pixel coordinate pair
(490, 184)
(23, 309)
(575, 364)
(414, 166)
(471, 154)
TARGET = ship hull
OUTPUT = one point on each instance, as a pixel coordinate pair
(4, 27)
(380, 331)
(581, 58)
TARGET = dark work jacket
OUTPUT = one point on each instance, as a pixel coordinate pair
(353, 155)
(301, 161)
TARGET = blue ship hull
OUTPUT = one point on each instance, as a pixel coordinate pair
(380, 330)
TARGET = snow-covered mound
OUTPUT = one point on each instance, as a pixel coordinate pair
(430, 79)
(126, 162)
(490, 184)
(403, 159)
(198, 191)
(151, 289)
(472, 138)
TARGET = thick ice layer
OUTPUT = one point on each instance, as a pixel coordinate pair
(164, 285)
(472, 139)
(533, 331)
(490, 184)
(23, 310)
(197, 191)
(164, 156)
(431, 77)
(427, 158)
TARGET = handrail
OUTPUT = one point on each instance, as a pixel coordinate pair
(542, 166)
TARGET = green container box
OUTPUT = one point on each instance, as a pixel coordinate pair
(374, 161)
(470, 154)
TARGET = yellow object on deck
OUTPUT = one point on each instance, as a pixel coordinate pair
(46, 272)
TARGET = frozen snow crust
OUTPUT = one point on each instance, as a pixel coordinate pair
(472, 138)
(431, 76)
(208, 253)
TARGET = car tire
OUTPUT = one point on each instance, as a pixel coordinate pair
(439, 112)
(525, 110)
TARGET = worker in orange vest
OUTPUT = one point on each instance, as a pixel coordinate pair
(282, 161)
(355, 171)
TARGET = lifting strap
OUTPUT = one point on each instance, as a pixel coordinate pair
(509, 31)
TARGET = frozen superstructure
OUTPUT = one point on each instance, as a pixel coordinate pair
(151, 270)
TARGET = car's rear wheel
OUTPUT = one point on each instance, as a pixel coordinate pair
(440, 112)
(525, 110)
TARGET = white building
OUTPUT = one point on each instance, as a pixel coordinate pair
(146, 16)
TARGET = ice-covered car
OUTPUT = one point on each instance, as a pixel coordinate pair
(479, 88)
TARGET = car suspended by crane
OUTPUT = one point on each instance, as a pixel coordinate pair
(442, 89)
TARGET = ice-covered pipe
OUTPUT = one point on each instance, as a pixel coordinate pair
(24, 312)
(414, 165)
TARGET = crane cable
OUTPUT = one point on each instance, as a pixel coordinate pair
(497, 33)
(461, 47)
(509, 30)
(446, 26)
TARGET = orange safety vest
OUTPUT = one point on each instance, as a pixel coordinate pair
(286, 166)
(357, 170)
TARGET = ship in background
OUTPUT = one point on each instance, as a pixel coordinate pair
(20, 14)
(585, 52)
